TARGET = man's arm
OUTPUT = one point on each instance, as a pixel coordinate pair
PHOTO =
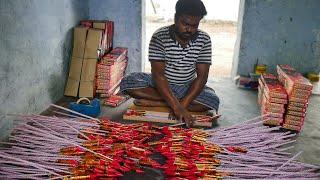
(202, 69)
(162, 86)
(197, 85)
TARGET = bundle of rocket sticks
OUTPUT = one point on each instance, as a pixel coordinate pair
(81, 147)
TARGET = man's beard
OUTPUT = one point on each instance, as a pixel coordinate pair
(184, 35)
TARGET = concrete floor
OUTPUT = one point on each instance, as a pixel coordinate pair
(238, 105)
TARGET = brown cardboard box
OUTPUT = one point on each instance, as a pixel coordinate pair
(102, 26)
(86, 89)
(93, 43)
(75, 68)
(72, 87)
(88, 69)
(79, 42)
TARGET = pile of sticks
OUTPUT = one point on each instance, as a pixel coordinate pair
(82, 147)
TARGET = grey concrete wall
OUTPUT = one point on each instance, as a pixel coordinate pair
(280, 32)
(35, 46)
(126, 15)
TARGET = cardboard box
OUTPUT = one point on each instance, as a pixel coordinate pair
(87, 82)
(88, 70)
(93, 44)
(108, 28)
(75, 68)
(72, 87)
(79, 42)
(87, 89)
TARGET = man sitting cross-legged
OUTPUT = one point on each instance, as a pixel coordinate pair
(180, 57)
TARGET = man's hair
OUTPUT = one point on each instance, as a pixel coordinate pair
(190, 7)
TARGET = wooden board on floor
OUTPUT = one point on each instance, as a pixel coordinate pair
(162, 119)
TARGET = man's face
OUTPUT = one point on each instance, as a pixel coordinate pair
(186, 26)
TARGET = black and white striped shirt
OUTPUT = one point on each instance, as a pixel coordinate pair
(180, 63)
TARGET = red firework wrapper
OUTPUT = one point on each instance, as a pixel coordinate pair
(271, 105)
(107, 85)
(301, 91)
(107, 70)
(116, 100)
(274, 110)
(298, 109)
(117, 54)
(294, 123)
(291, 127)
(86, 23)
(111, 92)
(274, 99)
(272, 114)
(305, 97)
(296, 113)
(292, 79)
(289, 117)
(108, 92)
(273, 87)
(297, 104)
(299, 100)
(272, 121)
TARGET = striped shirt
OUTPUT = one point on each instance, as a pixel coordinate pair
(180, 63)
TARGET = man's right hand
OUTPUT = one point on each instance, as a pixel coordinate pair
(183, 115)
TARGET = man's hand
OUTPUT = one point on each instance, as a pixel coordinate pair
(184, 103)
(183, 115)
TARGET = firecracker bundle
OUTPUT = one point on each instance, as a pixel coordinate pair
(115, 100)
(299, 90)
(272, 97)
(110, 71)
(42, 147)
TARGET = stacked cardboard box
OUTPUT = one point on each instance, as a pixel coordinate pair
(79, 43)
(91, 40)
(299, 90)
(88, 71)
(110, 71)
(272, 97)
(107, 28)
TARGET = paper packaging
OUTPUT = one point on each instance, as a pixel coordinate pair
(86, 89)
(87, 83)
(79, 41)
(107, 27)
(72, 87)
(117, 54)
(291, 127)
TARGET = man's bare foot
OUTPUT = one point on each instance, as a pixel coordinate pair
(213, 114)
(149, 103)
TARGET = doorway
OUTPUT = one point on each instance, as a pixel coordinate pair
(220, 23)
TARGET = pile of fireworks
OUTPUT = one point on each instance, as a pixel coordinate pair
(42, 147)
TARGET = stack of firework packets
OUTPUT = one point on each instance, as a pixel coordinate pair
(110, 71)
(272, 97)
(299, 90)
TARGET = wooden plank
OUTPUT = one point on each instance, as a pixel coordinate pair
(162, 111)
